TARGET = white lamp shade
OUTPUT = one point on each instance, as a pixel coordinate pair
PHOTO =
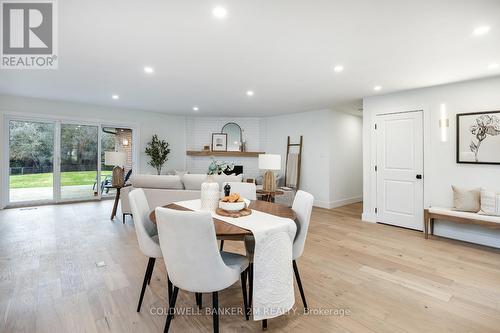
(115, 158)
(270, 162)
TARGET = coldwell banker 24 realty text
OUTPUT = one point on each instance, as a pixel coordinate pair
(29, 34)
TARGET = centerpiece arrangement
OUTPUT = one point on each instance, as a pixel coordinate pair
(234, 205)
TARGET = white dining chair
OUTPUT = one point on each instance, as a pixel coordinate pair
(246, 190)
(302, 206)
(146, 236)
(193, 261)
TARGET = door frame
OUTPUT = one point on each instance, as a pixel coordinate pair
(57, 121)
(425, 147)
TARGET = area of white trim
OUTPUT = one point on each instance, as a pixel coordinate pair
(346, 201)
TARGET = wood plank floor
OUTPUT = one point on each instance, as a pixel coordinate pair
(358, 277)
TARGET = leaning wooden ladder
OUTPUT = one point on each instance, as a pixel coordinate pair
(299, 145)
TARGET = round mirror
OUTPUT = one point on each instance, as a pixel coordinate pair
(233, 132)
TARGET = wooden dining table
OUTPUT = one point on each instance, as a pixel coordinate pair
(228, 231)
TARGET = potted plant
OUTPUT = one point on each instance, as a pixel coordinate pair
(158, 151)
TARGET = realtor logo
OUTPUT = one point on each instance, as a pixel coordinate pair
(29, 39)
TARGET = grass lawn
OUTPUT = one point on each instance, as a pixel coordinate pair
(45, 179)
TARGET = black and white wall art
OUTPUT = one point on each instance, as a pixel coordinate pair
(478, 137)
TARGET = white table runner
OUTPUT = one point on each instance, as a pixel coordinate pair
(273, 292)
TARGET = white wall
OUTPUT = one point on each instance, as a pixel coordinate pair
(168, 127)
(331, 165)
(331, 155)
(440, 168)
(346, 159)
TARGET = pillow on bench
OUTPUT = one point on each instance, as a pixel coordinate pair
(466, 200)
(490, 203)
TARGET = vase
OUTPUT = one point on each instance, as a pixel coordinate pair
(210, 196)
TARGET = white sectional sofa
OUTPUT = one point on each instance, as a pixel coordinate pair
(165, 189)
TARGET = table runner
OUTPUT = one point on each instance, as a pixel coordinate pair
(273, 291)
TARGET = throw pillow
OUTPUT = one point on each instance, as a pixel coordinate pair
(193, 181)
(490, 203)
(466, 200)
(181, 173)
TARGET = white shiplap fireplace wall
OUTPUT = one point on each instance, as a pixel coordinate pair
(199, 133)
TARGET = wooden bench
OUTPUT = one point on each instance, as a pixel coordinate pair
(447, 214)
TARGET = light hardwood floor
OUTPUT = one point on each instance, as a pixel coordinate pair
(387, 279)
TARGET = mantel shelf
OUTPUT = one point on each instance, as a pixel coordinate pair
(224, 153)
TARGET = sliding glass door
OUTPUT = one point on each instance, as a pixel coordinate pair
(31, 161)
(57, 161)
(79, 161)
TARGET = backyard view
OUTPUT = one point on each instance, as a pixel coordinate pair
(31, 151)
(45, 179)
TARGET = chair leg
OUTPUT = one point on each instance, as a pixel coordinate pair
(244, 290)
(250, 284)
(123, 219)
(221, 244)
(171, 309)
(199, 300)
(147, 276)
(299, 283)
(169, 289)
(215, 315)
(151, 272)
(264, 324)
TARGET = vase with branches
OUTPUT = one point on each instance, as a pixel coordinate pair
(158, 152)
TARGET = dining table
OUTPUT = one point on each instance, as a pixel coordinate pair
(228, 231)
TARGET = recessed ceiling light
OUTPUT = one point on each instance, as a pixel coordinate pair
(493, 65)
(481, 30)
(219, 12)
(338, 68)
(115, 97)
(195, 108)
(149, 70)
(377, 88)
(250, 93)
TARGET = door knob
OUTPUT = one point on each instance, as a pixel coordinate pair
(419, 176)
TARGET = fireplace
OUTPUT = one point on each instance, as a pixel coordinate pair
(237, 170)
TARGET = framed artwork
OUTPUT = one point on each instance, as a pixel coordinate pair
(219, 142)
(478, 137)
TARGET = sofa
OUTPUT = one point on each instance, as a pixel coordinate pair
(164, 189)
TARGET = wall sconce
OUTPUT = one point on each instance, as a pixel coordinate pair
(125, 142)
(444, 123)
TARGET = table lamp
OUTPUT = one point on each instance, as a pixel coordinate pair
(269, 162)
(118, 159)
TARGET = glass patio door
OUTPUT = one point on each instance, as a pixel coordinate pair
(31, 161)
(78, 168)
(60, 160)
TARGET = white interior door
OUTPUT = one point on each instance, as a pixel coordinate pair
(399, 168)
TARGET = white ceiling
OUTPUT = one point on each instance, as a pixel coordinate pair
(283, 50)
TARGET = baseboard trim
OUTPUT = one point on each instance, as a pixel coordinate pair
(321, 204)
(343, 202)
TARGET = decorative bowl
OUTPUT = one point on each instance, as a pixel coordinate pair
(234, 206)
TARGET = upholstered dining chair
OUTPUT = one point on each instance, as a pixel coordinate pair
(146, 236)
(302, 206)
(193, 261)
(246, 190)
